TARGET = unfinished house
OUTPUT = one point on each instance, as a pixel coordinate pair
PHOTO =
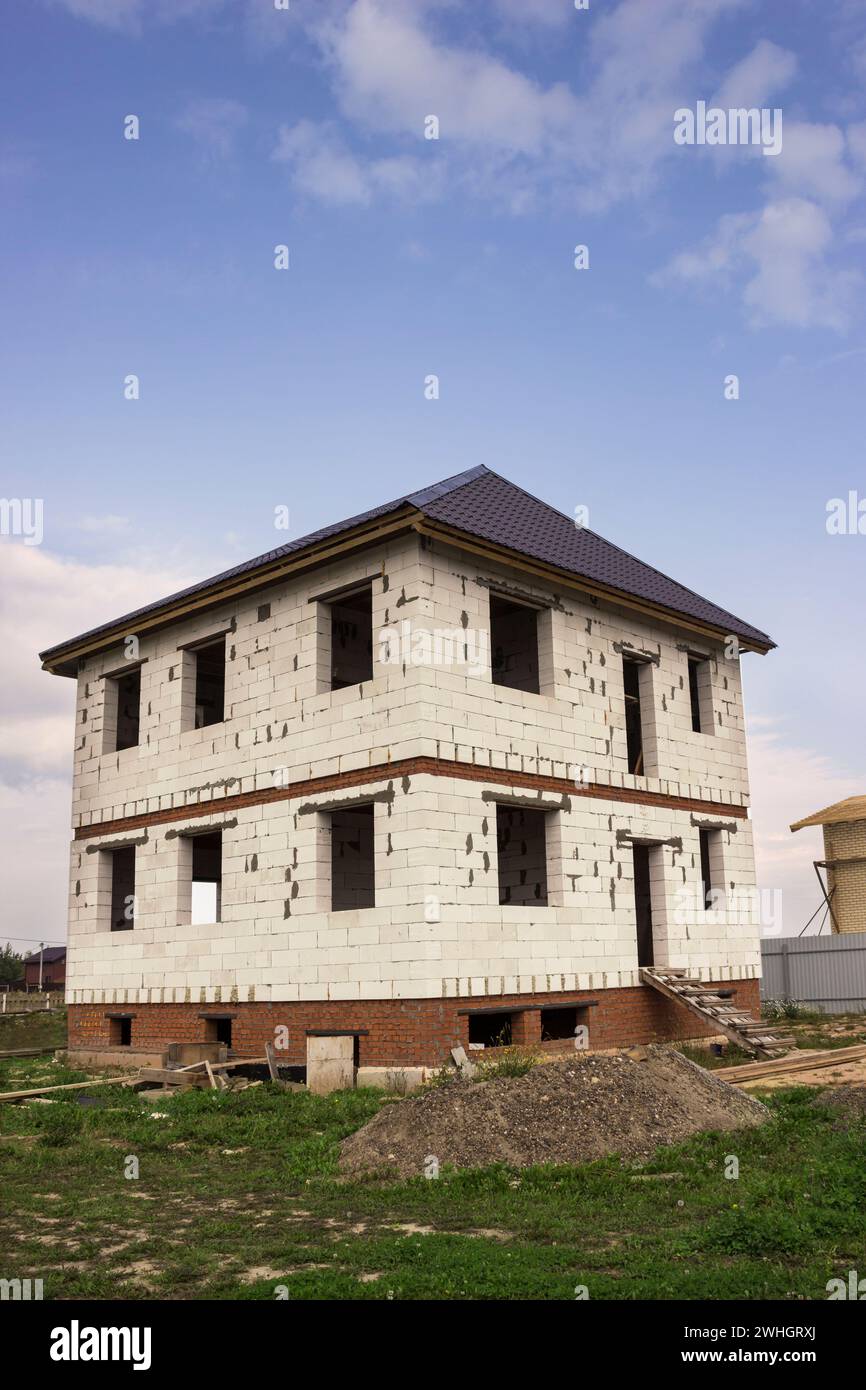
(452, 772)
(844, 864)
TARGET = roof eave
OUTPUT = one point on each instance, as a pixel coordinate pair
(544, 570)
(64, 659)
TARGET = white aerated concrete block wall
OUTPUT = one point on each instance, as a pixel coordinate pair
(437, 927)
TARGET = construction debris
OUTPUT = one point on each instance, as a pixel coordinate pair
(71, 1086)
(462, 1062)
(200, 1074)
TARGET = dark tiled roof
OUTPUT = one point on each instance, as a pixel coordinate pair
(496, 510)
(49, 956)
(481, 503)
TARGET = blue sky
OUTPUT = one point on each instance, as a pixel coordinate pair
(603, 387)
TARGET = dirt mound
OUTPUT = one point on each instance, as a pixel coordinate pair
(560, 1112)
(848, 1102)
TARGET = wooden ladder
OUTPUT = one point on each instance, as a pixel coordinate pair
(738, 1025)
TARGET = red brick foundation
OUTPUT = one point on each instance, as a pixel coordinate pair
(407, 1032)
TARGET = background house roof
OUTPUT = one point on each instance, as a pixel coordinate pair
(480, 503)
(852, 808)
(50, 955)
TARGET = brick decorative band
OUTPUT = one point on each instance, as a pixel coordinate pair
(407, 1032)
(407, 767)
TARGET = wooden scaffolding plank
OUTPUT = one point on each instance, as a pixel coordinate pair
(736, 1025)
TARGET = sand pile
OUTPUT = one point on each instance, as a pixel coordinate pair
(561, 1112)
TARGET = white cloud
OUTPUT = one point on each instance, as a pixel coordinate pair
(35, 819)
(549, 14)
(215, 124)
(129, 16)
(124, 15)
(856, 136)
(792, 283)
(714, 259)
(506, 135)
(324, 167)
(812, 163)
(391, 74)
(43, 600)
(757, 77)
(99, 525)
(783, 252)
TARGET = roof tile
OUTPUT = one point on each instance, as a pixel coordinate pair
(482, 504)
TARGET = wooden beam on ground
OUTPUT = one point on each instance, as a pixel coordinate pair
(71, 1086)
(240, 1062)
(755, 1071)
(168, 1076)
(28, 1052)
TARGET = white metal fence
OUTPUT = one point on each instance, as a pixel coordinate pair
(826, 972)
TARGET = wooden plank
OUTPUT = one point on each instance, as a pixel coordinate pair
(168, 1076)
(272, 1064)
(28, 1052)
(70, 1086)
(240, 1062)
(754, 1071)
(709, 1013)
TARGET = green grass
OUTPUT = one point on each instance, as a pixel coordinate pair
(38, 1029)
(824, 1042)
(732, 1056)
(239, 1193)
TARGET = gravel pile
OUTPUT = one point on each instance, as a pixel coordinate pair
(847, 1102)
(570, 1111)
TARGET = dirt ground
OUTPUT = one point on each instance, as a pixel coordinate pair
(572, 1111)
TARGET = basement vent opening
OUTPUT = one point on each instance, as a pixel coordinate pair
(218, 1030)
(210, 684)
(207, 878)
(352, 638)
(514, 644)
(353, 876)
(120, 1032)
(521, 844)
(557, 1024)
(490, 1030)
(123, 888)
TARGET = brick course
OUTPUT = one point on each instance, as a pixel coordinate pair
(407, 1032)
